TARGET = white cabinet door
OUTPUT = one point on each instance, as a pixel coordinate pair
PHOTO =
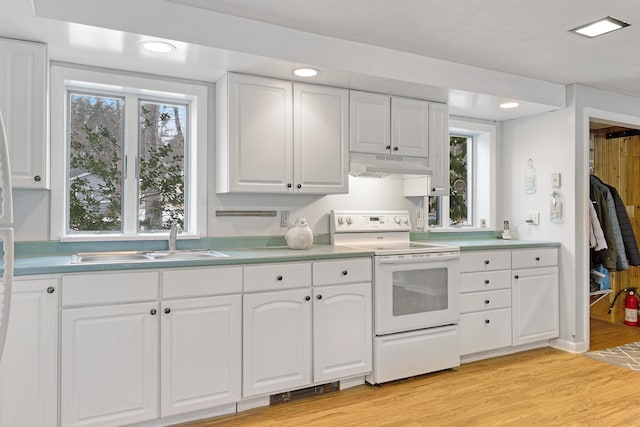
(28, 371)
(320, 135)
(200, 353)
(409, 127)
(535, 305)
(276, 341)
(254, 135)
(342, 331)
(370, 120)
(439, 148)
(109, 366)
(23, 104)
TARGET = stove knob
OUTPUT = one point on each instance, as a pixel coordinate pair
(396, 219)
(340, 220)
(349, 220)
(405, 220)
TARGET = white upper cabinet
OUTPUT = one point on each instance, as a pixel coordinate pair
(254, 125)
(439, 149)
(370, 122)
(277, 137)
(320, 138)
(23, 104)
(409, 127)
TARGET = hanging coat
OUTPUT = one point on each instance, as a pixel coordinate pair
(628, 238)
(606, 257)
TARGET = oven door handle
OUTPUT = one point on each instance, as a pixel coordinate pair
(415, 260)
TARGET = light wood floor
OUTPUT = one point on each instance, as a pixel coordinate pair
(543, 387)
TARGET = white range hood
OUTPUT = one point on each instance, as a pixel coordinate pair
(382, 165)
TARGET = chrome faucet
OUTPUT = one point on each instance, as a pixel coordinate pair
(173, 235)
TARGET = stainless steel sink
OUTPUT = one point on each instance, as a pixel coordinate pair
(139, 256)
(186, 254)
(104, 257)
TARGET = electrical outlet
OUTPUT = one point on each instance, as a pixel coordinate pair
(555, 179)
(284, 218)
(534, 218)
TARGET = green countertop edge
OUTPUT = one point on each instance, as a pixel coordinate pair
(50, 257)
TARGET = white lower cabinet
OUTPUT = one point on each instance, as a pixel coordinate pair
(508, 298)
(535, 305)
(28, 371)
(109, 369)
(200, 353)
(276, 341)
(279, 353)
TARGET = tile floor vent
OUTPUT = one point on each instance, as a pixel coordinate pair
(288, 396)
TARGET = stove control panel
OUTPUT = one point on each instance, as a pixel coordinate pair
(345, 221)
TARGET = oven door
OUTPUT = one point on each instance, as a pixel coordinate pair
(416, 291)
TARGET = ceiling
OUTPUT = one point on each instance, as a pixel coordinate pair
(472, 55)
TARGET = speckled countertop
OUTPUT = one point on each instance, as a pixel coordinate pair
(56, 257)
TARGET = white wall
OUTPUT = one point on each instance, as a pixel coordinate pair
(548, 140)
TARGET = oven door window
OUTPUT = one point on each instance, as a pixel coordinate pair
(420, 291)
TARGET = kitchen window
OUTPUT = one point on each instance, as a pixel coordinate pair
(130, 155)
(471, 201)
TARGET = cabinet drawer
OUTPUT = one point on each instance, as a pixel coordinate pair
(182, 283)
(111, 288)
(342, 271)
(485, 261)
(525, 258)
(485, 281)
(478, 301)
(485, 330)
(266, 277)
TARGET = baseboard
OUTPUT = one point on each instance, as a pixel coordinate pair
(569, 346)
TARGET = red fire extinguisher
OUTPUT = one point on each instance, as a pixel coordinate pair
(630, 306)
(631, 309)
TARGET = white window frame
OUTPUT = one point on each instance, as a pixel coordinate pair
(484, 176)
(64, 78)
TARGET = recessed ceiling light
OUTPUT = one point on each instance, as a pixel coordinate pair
(158, 46)
(509, 104)
(305, 72)
(599, 27)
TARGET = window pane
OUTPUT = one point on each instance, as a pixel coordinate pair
(161, 165)
(95, 162)
(459, 180)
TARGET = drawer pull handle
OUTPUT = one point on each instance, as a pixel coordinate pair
(307, 298)
(51, 290)
(487, 301)
(486, 261)
(537, 258)
(487, 321)
(153, 312)
(486, 282)
(345, 272)
(516, 277)
(279, 278)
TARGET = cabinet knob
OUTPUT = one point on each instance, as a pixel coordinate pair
(537, 258)
(388, 147)
(319, 297)
(51, 290)
(299, 186)
(487, 321)
(307, 298)
(395, 148)
(486, 282)
(345, 272)
(516, 277)
(279, 278)
(167, 310)
(153, 311)
(37, 178)
(486, 262)
(433, 189)
(487, 301)
(289, 185)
